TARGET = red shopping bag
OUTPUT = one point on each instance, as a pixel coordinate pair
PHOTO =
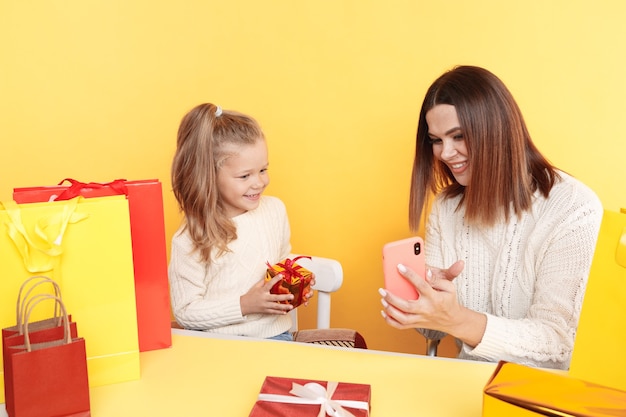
(147, 226)
(39, 331)
(48, 378)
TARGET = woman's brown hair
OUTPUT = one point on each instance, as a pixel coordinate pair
(507, 168)
(203, 136)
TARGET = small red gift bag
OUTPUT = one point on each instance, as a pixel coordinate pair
(296, 279)
(288, 397)
(39, 331)
(48, 378)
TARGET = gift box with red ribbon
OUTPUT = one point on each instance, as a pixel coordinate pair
(296, 279)
(288, 397)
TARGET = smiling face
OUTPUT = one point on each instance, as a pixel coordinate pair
(242, 177)
(446, 137)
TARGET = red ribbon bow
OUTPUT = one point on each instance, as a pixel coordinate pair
(290, 267)
(74, 189)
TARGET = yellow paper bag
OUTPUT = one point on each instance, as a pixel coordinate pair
(598, 354)
(520, 391)
(85, 246)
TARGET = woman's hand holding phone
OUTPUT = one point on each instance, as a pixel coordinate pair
(410, 253)
(438, 307)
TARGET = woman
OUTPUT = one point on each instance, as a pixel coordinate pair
(509, 238)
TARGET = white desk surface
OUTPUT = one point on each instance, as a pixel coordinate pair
(208, 375)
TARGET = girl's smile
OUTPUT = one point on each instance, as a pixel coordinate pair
(243, 177)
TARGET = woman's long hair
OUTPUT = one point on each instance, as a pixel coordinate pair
(506, 167)
(203, 135)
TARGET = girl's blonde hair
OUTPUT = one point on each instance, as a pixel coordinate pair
(203, 136)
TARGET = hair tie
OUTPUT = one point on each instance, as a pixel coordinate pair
(218, 111)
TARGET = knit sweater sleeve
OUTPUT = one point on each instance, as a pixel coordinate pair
(557, 277)
(545, 335)
(188, 277)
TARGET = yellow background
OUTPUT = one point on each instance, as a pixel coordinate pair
(94, 90)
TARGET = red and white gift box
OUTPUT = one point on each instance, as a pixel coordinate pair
(288, 397)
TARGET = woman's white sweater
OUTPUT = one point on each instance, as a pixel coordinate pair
(527, 275)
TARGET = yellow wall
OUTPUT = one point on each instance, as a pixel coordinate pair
(94, 90)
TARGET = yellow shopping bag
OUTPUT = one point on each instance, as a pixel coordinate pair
(598, 354)
(85, 246)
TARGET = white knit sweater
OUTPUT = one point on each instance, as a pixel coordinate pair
(528, 275)
(206, 297)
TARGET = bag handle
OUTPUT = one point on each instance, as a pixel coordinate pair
(67, 336)
(38, 253)
(22, 304)
(119, 186)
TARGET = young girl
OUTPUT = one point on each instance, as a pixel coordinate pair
(230, 230)
(509, 237)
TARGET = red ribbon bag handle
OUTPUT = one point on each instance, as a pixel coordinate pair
(119, 186)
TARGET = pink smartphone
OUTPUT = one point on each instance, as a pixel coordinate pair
(409, 252)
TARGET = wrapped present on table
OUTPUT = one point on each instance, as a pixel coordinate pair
(517, 390)
(287, 397)
(296, 279)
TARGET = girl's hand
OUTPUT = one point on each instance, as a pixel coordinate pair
(437, 307)
(259, 300)
(309, 293)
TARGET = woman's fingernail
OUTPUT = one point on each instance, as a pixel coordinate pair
(384, 303)
(382, 292)
(382, 313)
(401, 268)
(429, 275)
